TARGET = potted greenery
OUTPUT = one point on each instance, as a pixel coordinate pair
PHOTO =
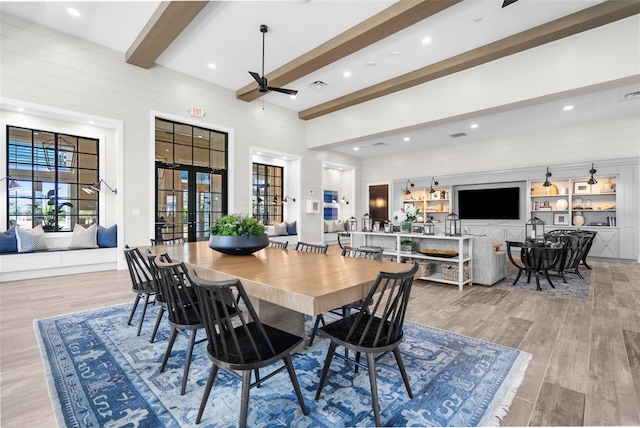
(406, 245)
(237, 234)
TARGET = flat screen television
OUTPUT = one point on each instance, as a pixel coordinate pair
(489, 204)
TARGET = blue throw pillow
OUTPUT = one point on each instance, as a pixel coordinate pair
(291, 228)
(8, 241)
(108, 237)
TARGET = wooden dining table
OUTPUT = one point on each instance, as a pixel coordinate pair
(286, 285)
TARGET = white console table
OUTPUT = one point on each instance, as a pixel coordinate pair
(390, 242)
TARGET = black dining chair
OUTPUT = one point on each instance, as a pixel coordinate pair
(142, 282)
(312, 248)
(169, 241)
(182, 309)
(373, 253)
(243, 346)
(278, 244)
(159, 298)
(375, 330)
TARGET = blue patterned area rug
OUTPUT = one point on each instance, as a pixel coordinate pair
(100, 374)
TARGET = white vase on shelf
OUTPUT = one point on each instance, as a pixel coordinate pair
(578, 219)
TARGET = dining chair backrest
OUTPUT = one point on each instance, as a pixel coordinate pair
(380, 320)
(312, 248)
(169, 241)
(155, 273)
(141, 277)
(278, 244)
(245, 343)
(181, 299)
(374, 253)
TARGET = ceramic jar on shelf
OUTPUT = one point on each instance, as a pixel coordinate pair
(578, 219)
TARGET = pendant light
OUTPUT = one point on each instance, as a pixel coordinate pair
(547, 183)
(592, 171)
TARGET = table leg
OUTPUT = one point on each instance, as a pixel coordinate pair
(280, 317)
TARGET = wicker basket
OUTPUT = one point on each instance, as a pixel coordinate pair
(424, 269)
(450, 273)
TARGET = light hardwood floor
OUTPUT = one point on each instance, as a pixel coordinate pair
(585, 369)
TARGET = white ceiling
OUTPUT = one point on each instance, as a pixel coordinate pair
(227, 34)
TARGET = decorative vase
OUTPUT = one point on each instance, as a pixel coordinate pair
(238, 245)
(578, 219)
(406, 226)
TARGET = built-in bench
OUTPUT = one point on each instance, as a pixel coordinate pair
(57, 259)
(54, 262)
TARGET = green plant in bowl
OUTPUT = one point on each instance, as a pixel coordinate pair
(238, 234)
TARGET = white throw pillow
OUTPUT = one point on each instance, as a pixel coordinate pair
(280, 229)
(31, 240)
(84, 238)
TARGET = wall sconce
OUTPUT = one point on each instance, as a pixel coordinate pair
(259, 199)
(96, 187)
(433, 181)
(275, 201)
(344, 200)
(406, 189)
(547, 183)
(12, 185)
(284, 200)
(592, 171)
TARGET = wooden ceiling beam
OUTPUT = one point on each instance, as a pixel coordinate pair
(587, 19)
(166, 23)
(391, 20)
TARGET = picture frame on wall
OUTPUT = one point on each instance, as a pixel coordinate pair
(561, 219)
(581, 187)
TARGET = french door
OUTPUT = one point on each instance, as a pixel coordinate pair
(189, 199)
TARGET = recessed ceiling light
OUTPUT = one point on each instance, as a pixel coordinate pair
(91, 122)
(20, 109)
(426, 40)
(407, 139)
(73, 12)
(293, 97)
(211, 65)
(473, 126)
(356, 148)
(477, 19)
(347, 74)
(371, 64)
(284, 157)
(395, 53)
(567, 108)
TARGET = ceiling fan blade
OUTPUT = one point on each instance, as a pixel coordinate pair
(257, 77)
(283, 90)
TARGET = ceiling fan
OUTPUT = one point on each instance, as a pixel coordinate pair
(263, 85)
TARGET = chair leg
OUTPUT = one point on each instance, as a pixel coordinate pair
(357, 361)
(133, 309)
(403, 372)
(325, 369)
(187, 363)
(158, 319)
(144, 311)
(296, 385)
(371, 361)
(207, 390)
(172, 338)
(319, 318)
(244, 400)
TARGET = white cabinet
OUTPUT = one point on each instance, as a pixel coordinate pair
(461, 263)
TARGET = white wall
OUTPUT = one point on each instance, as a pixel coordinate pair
(45, 67)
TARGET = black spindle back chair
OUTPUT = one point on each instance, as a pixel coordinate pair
(160, 299)
(244, 345)
(373, 253)
(182, 310)
(278, 244)
(142, 282)
(312, 248)
(375, 329)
